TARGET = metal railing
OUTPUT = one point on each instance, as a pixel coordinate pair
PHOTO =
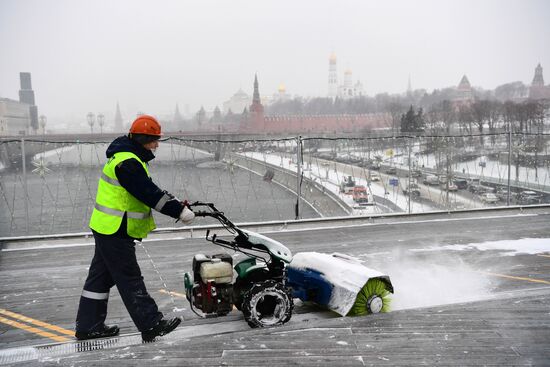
(49, 186)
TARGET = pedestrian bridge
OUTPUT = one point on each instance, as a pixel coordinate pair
(471, 288)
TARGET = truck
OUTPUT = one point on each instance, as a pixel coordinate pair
(346, 186)
(359, 195)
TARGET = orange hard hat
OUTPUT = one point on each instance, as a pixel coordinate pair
(146, 125)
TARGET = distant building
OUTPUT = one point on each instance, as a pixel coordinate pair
(118, 119)
(256, 122)
(346, 90)
(281, 95)
(14, 117)
(177, 120)
(464, 91)
(237, 103)
(538, 90)
(256, 116)
(514, 91)
(332, 76)
(26, 95)
(19, 117)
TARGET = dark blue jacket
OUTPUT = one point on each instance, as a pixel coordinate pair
(134, 179)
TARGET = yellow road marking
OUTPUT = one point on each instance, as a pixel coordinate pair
(36, 322)
(516, 278)
(34, 330)
(543, 255)
(172, 293)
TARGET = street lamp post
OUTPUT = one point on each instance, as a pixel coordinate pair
(101, 122)
(43, 121)
(91, 121)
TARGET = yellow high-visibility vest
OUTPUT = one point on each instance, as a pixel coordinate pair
(112, 201)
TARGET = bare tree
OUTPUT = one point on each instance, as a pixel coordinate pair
(480, 112)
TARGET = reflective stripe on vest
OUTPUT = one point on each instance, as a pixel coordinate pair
(110, 180)
(119, 213)
(113, 201)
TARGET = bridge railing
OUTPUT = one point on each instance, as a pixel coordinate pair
(49, 186)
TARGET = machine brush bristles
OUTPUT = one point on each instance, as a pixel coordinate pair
(374, 287)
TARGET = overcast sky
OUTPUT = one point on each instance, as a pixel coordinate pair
(149, 55)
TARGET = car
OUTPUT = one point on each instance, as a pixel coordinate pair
(431, 180)
(413, 188)
(416, 173)
(529, 197)
(374, 176)
(451, 187)
(374, 166)
(502, 193)
(391, 170)
(488, 198)
(480, 189)
(461, 183)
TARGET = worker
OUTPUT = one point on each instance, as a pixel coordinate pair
(121, 217)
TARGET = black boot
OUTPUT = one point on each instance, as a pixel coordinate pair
(103, 332)
(162, 328)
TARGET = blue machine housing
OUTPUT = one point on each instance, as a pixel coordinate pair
(309, 285)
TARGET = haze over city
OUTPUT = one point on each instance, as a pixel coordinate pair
(150, 56)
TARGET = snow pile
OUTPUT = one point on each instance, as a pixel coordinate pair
(508, 247)
(346, 274)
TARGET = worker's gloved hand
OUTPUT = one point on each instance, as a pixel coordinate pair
(187, 215)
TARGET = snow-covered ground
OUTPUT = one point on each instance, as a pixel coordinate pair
(480, 167)
(331, 174)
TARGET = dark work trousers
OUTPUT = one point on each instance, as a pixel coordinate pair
(115, 263)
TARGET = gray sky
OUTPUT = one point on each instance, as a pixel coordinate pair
(150, 55)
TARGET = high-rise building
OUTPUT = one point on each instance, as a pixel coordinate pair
(26, 95)
(332, 76)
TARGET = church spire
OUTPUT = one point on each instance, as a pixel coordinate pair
(256, 95)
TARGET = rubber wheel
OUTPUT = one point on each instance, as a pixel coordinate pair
(267, 303)
(242, 286)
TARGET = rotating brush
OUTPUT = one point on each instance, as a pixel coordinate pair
(373, 297)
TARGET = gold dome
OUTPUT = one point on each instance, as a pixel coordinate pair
(332, 57)
(282, 88)
(347, 72)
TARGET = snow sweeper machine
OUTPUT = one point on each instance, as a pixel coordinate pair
(263, 285)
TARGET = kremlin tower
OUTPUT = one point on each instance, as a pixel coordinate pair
(256, 118)
(537, 90)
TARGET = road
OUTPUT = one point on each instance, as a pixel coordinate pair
(463, 296)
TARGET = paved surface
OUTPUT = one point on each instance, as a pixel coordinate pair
(451, 307)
